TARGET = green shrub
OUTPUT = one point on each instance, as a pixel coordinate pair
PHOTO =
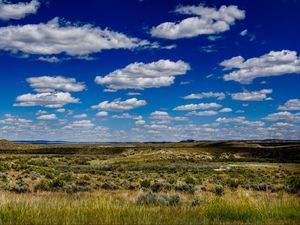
(218, 190)
(157, 186)
(151, 198)
(43, 185)
(233, 183)
(294, 184)
(145, 183)
(20, 187)
(188, 188)
(198, 201)
(190, 180)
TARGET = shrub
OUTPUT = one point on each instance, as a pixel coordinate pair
(218, 190)
(260, 187)
(188, 188)
(293, 185)
(34, 176)
(151, 198)
(109, 186)
(157, 186)
(43, 185)
(198, 201)
(233, 183)
(190, 180)
(20, 186)
(78, 188)
(145, 183)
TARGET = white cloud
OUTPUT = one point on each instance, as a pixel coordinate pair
(58, 36)
(225, 110)
(102, 113)
(140, 122)
(51, 84)
(41, 112)
(284, 116)
(118, 105)
(240, 120)
(292, 104)
(47, 117)
(244, 32)
(17, 11)
(205, 21)
(190, 107)
(133, 93)
(203, 113)
(61, 110)
(218, 95)
(49, 100)
(160, 115)
(50, 59)
(79, 116)
(15, 121)
(275, 63)
(80, 123)
(127, 116)
(283, 124)
(253, 95)
(144, 75)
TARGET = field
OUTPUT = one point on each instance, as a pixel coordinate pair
(151, 183)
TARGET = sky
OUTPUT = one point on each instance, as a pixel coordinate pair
(149, 70)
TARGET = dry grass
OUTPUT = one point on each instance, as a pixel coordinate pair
(119, 207)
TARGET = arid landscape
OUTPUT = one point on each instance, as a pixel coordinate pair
(228, 182)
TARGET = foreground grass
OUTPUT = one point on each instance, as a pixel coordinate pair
(117, 207)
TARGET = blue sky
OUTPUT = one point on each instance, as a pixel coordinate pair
(149, 70)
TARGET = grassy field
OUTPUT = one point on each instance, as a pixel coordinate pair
(167, 183)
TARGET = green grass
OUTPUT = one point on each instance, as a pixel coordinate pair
(120, 208)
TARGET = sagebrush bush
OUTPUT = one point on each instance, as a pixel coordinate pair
(20, 186)
(158, 186)
(43, 185)
(219, 190)
(145, 183)
(151, 198)
(188, 188)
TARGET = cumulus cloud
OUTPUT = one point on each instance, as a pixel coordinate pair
(79, 116)
(47, 117)
(58, 36)
(162, 117)
(284, 116)
(274, 63)
(17, 11)
(218, 95)
(14, 120)
(144, 75)
(127, 116)
(253, 95)
(51, 84)
(292, 104)
(204, 21)
(203, 113)
(61, 110)
(140, 122)
(118, 105)
(47, 99)
(225, 110)
(190, 107)
(102, 113)
(80, 124)
(240, 120)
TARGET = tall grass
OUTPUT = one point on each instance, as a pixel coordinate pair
(120, 208)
